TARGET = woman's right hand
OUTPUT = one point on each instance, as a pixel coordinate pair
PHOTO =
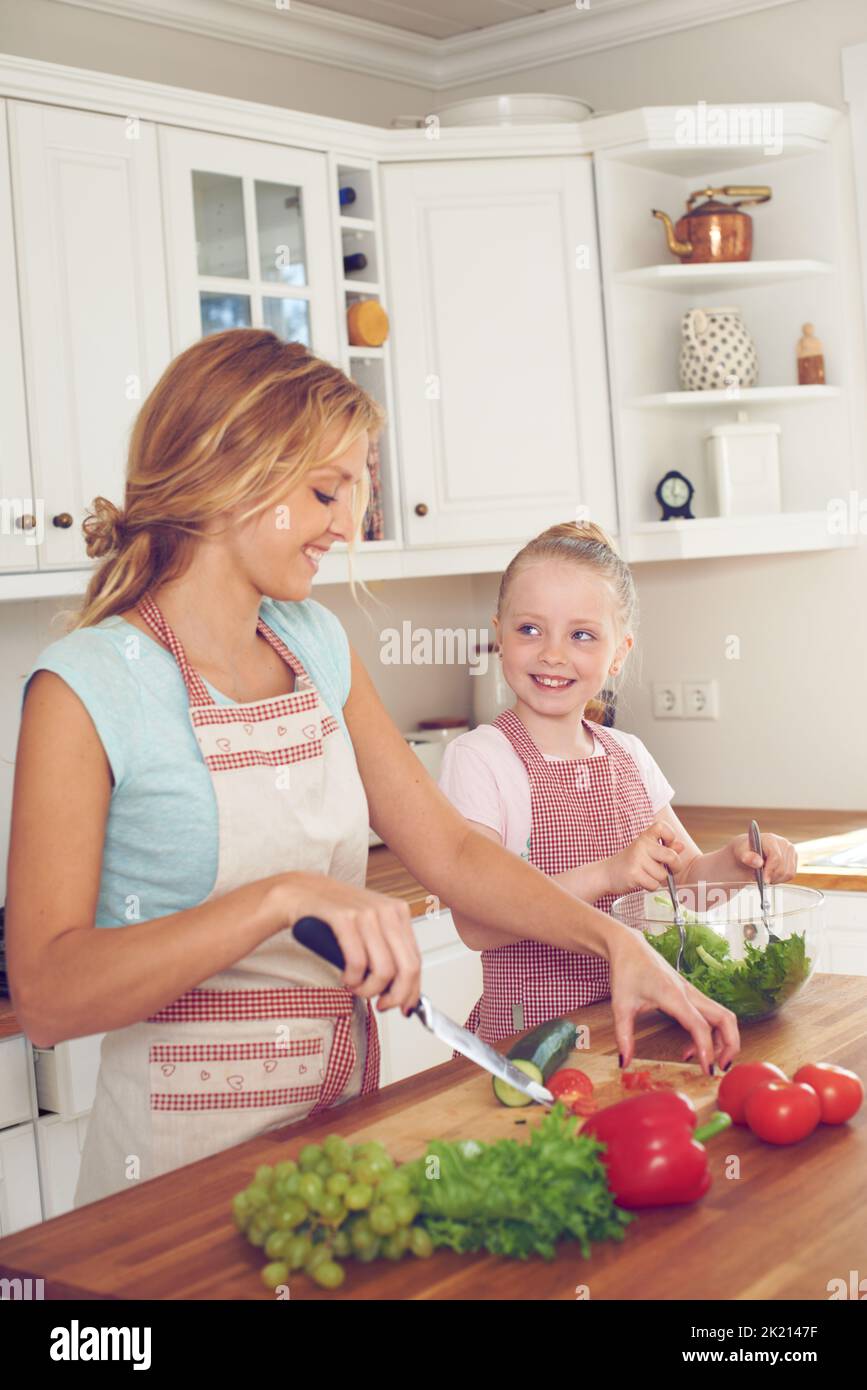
(642, 864)
(374, 933)
(642, 980)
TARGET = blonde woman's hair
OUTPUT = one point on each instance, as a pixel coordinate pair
(239, 417)
(586, 544)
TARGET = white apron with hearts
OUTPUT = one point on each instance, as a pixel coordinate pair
(275, 1037)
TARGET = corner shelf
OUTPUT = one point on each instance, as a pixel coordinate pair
(707, 537)
(731, 275)
(749, 395)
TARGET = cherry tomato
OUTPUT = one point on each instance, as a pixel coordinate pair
(568, 1084)
(782, 1112)
(839, 1090)
(737, 1084)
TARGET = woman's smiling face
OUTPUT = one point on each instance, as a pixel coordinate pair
(280, 548)
(559, 636)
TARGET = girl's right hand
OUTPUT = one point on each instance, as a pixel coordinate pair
(374, 933)
(642, 863)
(642, 980)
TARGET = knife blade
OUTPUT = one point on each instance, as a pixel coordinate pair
(318, 937)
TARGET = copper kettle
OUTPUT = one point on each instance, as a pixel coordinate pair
(714, 231)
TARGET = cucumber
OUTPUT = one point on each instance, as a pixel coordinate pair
(510, 1095)
(545, 1048)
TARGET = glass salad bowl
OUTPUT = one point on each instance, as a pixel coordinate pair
(732, 954)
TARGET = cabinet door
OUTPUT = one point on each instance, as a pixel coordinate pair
(93, 303)
(451, 979)
(18, 538)
(20, 1203)
(502, 395)
(59, 1144)
(249, 238)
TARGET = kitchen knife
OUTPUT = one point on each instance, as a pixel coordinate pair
(318, 937)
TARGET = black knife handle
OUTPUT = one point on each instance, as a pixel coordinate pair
(318, 937)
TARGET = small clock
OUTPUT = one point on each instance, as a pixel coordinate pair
(674, 493)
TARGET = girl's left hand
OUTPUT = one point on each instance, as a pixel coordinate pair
(781, 859)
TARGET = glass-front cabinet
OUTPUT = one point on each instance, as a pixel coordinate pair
(249, 240)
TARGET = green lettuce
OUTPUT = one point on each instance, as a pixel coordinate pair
(518, 1199)
(751, 988)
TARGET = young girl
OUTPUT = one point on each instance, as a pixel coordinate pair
(585, 804)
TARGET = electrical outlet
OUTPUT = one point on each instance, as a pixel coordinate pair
(700, 700)
(667, 700)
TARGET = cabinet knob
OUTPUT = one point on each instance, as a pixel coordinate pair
(27, 522)
(421, 508)
(63, 520)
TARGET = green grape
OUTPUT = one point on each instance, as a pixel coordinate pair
(371, 1148)
(309, 1157)
(362, 1237)
(258, 1230)
(420, 1242)
(359, 1196)
(274, 1274)
(275, 1245)
(310, 1187)
(383, 1220)
(338, 1184)
(271, 1214)
(341, 1244)
(278, 1190)
(338, 1151)
(380, 1164)
(318, 1255)
(369, 1253)
(257, 1196)
(291, 1184)
(264, 1175)
(298, 1248)
(405, 1210)
(395, 1184)
(363, 1171)
(329, 1274)
(285, 1169)
(331, 1208)
(393, 1247)
(292, 1213)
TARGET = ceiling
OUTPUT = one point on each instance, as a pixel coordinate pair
(440, 19)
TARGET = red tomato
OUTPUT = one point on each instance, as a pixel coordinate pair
(583, 1105)
(568, 1083)
(782, 1112)
(737, 1084)
(636, 1081)
(839, 1090)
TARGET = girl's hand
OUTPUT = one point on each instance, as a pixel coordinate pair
(780, 857)
(642, 980)
(374, 933)
(642, 863)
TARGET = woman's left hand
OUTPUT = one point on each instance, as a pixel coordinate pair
(780, 862)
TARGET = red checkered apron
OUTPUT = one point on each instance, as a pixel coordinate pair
(583, 809)
(274, 1037)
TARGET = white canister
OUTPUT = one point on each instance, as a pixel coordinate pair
(744, 461)
(490, 693)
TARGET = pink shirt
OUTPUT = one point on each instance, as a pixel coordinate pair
(485, 779)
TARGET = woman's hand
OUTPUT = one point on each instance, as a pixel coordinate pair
(780, 857)
(642, 980)
(642, 863)
(374, 933)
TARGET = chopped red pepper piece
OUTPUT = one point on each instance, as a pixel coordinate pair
(654, 1157)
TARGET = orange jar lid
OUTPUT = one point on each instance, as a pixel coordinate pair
(367, 322)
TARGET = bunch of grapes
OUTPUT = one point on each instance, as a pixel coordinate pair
(337, 1202)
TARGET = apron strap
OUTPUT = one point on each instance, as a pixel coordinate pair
(196, 688)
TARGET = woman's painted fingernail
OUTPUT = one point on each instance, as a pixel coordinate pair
(620, 1058)
(727, 1065)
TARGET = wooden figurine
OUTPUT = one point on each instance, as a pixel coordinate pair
(811, 360)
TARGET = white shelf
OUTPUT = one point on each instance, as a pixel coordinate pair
(730, 275)
(749, 395)
(710, 536)
(357, 224)
(44, 584)
(361, 287)
(373, 352)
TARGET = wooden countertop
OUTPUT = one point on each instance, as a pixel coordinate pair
(793, 1220)
(710, 826)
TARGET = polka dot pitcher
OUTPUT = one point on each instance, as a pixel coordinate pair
(717, 351)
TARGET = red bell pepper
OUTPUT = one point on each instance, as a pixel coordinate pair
(654, 1154)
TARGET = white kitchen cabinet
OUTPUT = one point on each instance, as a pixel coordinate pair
(248, 239)
(16, 1101)
(845, 943)
(451, 979)
(66, 1075)
(94, 316)
(18, 537)
(20, 1203)
(59, 1145)
(501, 388)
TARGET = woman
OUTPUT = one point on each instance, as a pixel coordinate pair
(198, 763)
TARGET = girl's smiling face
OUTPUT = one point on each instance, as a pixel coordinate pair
(560, 637)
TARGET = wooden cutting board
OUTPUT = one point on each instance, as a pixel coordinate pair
(475, 1113)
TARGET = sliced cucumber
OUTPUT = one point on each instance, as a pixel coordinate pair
(510, 1095)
